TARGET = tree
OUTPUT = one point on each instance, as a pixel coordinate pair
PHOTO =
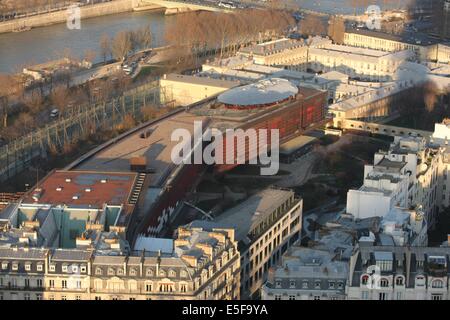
(121, 45)
(105, 47)
(312, 25)
(60, 97)
(336, 29)
(146, 37)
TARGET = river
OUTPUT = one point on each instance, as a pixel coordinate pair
(46, 43)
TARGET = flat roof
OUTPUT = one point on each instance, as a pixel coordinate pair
(203, 81)
(415, 38)
(246, 215)
(295, 144)
(156, 148)
(60, 187)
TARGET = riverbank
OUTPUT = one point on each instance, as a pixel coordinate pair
(97, 10)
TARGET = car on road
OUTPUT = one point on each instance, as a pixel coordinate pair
(54, 113)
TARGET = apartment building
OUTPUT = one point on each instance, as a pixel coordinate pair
(198, 264)
(367, 64)
(266, 225)
(399, 273)
(404, 176)
(423, 47)
(307, 274)
(289, 53)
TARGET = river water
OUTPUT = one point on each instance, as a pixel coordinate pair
(46, 43)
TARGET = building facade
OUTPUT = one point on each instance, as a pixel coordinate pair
(203, 264)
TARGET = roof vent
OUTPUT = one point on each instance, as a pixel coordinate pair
(76, 197)
(68, 180)
(88, 189)
(59, 189)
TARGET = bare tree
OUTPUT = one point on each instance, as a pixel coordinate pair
(121, 45)
(336, 29)
(312, 25)
(105, 47)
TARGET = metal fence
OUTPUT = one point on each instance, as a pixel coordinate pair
(82, 121)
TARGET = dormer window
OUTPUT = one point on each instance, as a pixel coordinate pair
(15, 266)
(98, 271)
(111, 272)
(52, 267)
(83, 269)
(40, 267)
(132, 272)
(28, 266)
(64, 267)
(149, 273)
(120, 271)
(74, 268)
(4, 265)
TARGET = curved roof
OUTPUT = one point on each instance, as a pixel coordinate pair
(263, 92)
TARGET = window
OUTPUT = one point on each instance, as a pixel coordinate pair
(64, 284)
(27, 282)
(277, 284)
(364, 295)
(15, 266)
(38, 296)
(51, 283)
(148, 287)
(52, 267)
(292, 284)
(4, 265)
(278, 297)
(399, 281)
(26, 296)
(64, 268)
(316, 297)
(183, 288)
(437, 284)
(27, 266)
(133, 272)
(83, 269)
(77, 297)
(111, 272)
(40, 267)
(384, 283)
(183, 274)
(399, 296)
(382, 296)
(98, 271)
(120, 271)
(149, 273)
(317, 284)
(291, 297)
(331, 285)
(63, 297)
(305, 285)
(39, 283)
(74, 269)
(98, 298)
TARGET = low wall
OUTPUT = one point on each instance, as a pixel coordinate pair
(101, 9)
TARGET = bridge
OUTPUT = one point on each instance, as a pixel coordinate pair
(378, 128)
(177, 6)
